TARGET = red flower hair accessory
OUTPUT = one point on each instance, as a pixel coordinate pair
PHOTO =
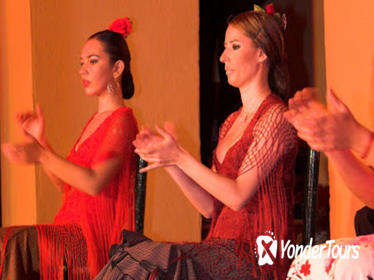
(121, 26)
(270, 10)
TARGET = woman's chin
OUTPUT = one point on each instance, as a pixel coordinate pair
(90, 93)
(232, 82)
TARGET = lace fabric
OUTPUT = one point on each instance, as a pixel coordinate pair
(86, 225)
(268, 147)
(227, 252)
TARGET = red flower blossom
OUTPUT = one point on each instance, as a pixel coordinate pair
(121, 26)
(329, 265)
(270, 10)
(305, 268)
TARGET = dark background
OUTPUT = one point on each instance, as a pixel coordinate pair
(218, 99)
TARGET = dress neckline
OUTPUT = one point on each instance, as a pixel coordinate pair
(77, 148)
(245, 132)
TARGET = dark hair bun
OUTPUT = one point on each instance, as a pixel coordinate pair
(116, 47)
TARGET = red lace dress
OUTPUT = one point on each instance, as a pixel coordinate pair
(268, 144)
(86, 225)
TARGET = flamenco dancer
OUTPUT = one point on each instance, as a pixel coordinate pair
(248, 191)
(96, 177)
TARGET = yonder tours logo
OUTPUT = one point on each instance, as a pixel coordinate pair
(267, 246)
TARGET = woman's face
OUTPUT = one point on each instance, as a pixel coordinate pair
(241, 58)
(96, 69)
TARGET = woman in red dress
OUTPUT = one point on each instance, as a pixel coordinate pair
(97, 178)
(248, 191)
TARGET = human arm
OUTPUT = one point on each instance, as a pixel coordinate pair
(199, 198)
(331, 128)
(105, 164)
(234, 193)
(33, 125)
(88, 180)
(189, 173)
(336, 132)
(357, 176)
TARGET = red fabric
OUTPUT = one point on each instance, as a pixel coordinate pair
(86, 225)
(268, 144)
(8, 233)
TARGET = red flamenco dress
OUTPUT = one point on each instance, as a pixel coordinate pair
(85, 227)
(268, 144)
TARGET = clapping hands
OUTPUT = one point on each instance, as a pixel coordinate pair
(160, 148)
(324, 129)
(28, 152)
(32, 124)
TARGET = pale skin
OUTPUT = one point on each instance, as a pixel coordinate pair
(335, 131)
(246, 69)
(96, 72)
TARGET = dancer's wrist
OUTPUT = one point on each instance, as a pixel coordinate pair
(363, 141)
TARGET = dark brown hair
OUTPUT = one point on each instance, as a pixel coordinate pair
(116, 47)
(266, 33)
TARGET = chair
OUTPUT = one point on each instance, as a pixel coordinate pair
(364, 221)
(311, 197)
(140, 188)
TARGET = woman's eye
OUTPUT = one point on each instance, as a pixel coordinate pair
(81, 64)
(235, 47)
(93, 61)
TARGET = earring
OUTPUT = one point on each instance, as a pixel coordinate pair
(110, 88)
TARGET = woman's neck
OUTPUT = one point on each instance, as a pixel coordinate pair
(109, 102)
(253, 94)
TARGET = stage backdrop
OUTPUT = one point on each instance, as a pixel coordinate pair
(17, 182)
(349, 38)
(164, 48)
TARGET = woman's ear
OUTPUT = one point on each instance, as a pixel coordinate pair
(262, 57)
(118, 69)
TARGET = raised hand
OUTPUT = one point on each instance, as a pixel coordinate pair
(160, 149)
(323, 129)
(28, 152)
(304, 102)
(32, 124)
